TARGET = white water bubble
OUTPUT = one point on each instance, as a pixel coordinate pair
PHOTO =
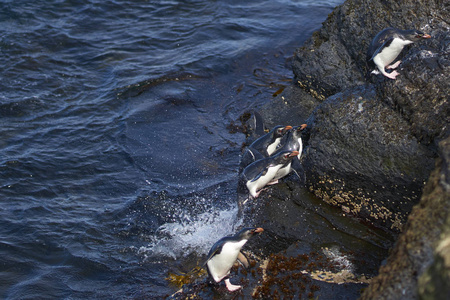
(196, 234)
(336, 255)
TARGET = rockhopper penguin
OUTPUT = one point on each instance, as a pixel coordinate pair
(387, 45)
(262, 172)
(293, 143)
(264, 146)
(224, 254)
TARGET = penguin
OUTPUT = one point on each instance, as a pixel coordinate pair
(262, 172)
(386, 47)
(268, 143)
(293, 143)
(225, 252)
(293, 140)
(264, 146)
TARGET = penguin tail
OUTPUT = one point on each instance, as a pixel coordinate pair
(370, 73)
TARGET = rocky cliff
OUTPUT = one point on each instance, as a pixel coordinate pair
(419, 265)
(372, 140)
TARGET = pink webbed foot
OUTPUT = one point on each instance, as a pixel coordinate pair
(231, 287)
(394, 65)
(257, 193)
(392, 75)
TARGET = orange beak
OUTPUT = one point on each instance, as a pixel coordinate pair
(303, 126)
(288, 128)
(293, 153)
(258, 230)
(426, 36)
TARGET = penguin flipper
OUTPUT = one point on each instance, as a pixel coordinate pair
(215, 249)
(262, 173)
(380, 46)
(243, 260)
(255, 170)
(250, 155)
(297, 167)
(246, 159)
(256, 154)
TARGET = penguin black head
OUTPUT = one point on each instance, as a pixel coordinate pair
(279, 130)
(248, 232)
(415, 35)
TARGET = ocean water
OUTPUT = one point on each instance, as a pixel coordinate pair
(116, 161)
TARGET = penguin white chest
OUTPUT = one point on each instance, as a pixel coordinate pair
(389, 53)
(272, 147)
(300, 147)
(220, 264)
(284, 171)
(255, 185)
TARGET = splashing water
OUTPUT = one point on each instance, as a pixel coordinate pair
(336, 255)
(196, 234)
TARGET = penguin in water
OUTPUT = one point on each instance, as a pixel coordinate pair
(225, 252)
(387, 45)
(264, 146)
(262, 172)
(293, 143)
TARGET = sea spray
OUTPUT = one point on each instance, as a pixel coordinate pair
(195, 234)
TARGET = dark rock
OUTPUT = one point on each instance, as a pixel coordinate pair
(362, 157)
(334, 58)
(289, 213)
(300, 252)
(419, 265)
(292, 107)
(372, 144)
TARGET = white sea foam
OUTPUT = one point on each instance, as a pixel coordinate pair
(195, 234)
(336, 255)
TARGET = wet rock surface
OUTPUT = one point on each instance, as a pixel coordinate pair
(371, 142)
(421, 95)
(363, 157)
(334, 58)
(287, 109)
(307, 250)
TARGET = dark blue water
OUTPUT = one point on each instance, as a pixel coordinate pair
(116, 164)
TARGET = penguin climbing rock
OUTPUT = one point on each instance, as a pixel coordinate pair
(268, 143)
(264, 146)
(293, 143)
(262, 172)
(293, 140)
(224, 254)
(387, 45)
